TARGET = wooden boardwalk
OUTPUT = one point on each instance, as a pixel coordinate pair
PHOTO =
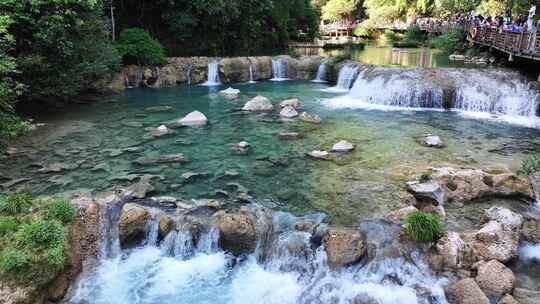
(525, 45)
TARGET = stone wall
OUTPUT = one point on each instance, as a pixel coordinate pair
(231, 70)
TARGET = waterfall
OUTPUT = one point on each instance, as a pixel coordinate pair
(494, 94)
(251, 76)
(188, 267)
(188, 74)
(321, 73)
(346, 77)
(279, 69)
(213, 74)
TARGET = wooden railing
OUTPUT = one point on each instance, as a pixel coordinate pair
(523, 44)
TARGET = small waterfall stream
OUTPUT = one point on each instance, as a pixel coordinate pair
(213, 74)
(188, 266)
(188, 74)
(251, 74)
(321, 73)
(279, 70)
(347, 75)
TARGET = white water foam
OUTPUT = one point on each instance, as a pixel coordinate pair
(279, 70)
(530, 253)
(213, 74)
(321, 74)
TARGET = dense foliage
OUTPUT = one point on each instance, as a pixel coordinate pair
(423, 227)
(450, 42)
(530, 165)
(33, 237)
(339, 9)
(137, 46)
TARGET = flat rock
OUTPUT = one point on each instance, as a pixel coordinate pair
(258, 104)
(429, 190)
(317, 154)
(343, 146)
(495, 279)
(288, 112)
(132, 124)
(141, 188)
(57, 167)
(160, 159)
(157, 109)
(189, 176)
(289, 135)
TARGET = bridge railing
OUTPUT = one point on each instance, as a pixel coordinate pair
(522, 44)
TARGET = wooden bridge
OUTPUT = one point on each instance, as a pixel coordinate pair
(520, 44)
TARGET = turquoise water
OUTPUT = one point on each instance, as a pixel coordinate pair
(90, 141)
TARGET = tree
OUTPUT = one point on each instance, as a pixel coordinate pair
(339, 9)
(137, 46)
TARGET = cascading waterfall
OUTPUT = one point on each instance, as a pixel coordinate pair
(188, 266)
(279, 69)
(347, 75)
(188, 74)
(213, 74)
(496, 94)
(321, 73)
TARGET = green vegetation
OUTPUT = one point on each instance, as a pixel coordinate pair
(530, 165)
(450, 42)
(413, 37)
(425, 177)
(423, 227)
(137, 46)
(33, 238)
(339, 9)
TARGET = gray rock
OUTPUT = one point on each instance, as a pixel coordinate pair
(288, 112)
(527, 296)
(504, 216)
(317, 154)
(429, 190)
(132, 124)
(230, 93)
(194, 119)
(141, 188)
(343, 146)
(161, 131)
(160, 159)
(157, 109)
(311, 118)
(433, 141)
(294, 103)
(258, 104)
(289, 135)
(465, 291)
(495, 279)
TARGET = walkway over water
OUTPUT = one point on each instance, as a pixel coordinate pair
(524, 44)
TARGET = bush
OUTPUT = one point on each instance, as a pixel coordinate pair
(41, 233)
(16, 203)
(390, 36)
(137, 46)
(61, 211)
(414, 34)
(530, 165)
(423, 227)
(14, 260)
(8, 225)
(450, 42)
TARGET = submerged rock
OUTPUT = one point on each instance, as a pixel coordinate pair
(160, 159)
(258, 104)
(465, 291)
(141, 188)
(242, 146)
(289, 135)
(293, 103)
(132, 124)
(288, 112)
(157, 109)
(433, 141)
(237, 233)
(495, 279)
(161, 131)
(344, 247)
(230, 93)
(194, 119)
(57, 167)
(311, 118)
(190, 176)
(342, 146)
(132, 225)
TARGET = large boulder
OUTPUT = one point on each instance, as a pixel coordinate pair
(237, 232)
(465, 185)
(433, 141)
(344, 247)
(494, 241)
(504, 216)
(194, 119)
(258, 104)
(455, 253)
(166, 225)
(495, 279)
(230, 93)
(342, 146)
(132, 225)
(465, 291)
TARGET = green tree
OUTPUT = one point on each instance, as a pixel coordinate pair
(137, 46)
(339, 9)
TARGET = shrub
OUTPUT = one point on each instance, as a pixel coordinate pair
(137, 46)
(414, 34)
(16, 203)
(530, 165)
(390, 36)
(55, 256)
(450, 42)
(8, 225)
(61, 211)
(423, 227)
(14, 260)
(41, 233)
